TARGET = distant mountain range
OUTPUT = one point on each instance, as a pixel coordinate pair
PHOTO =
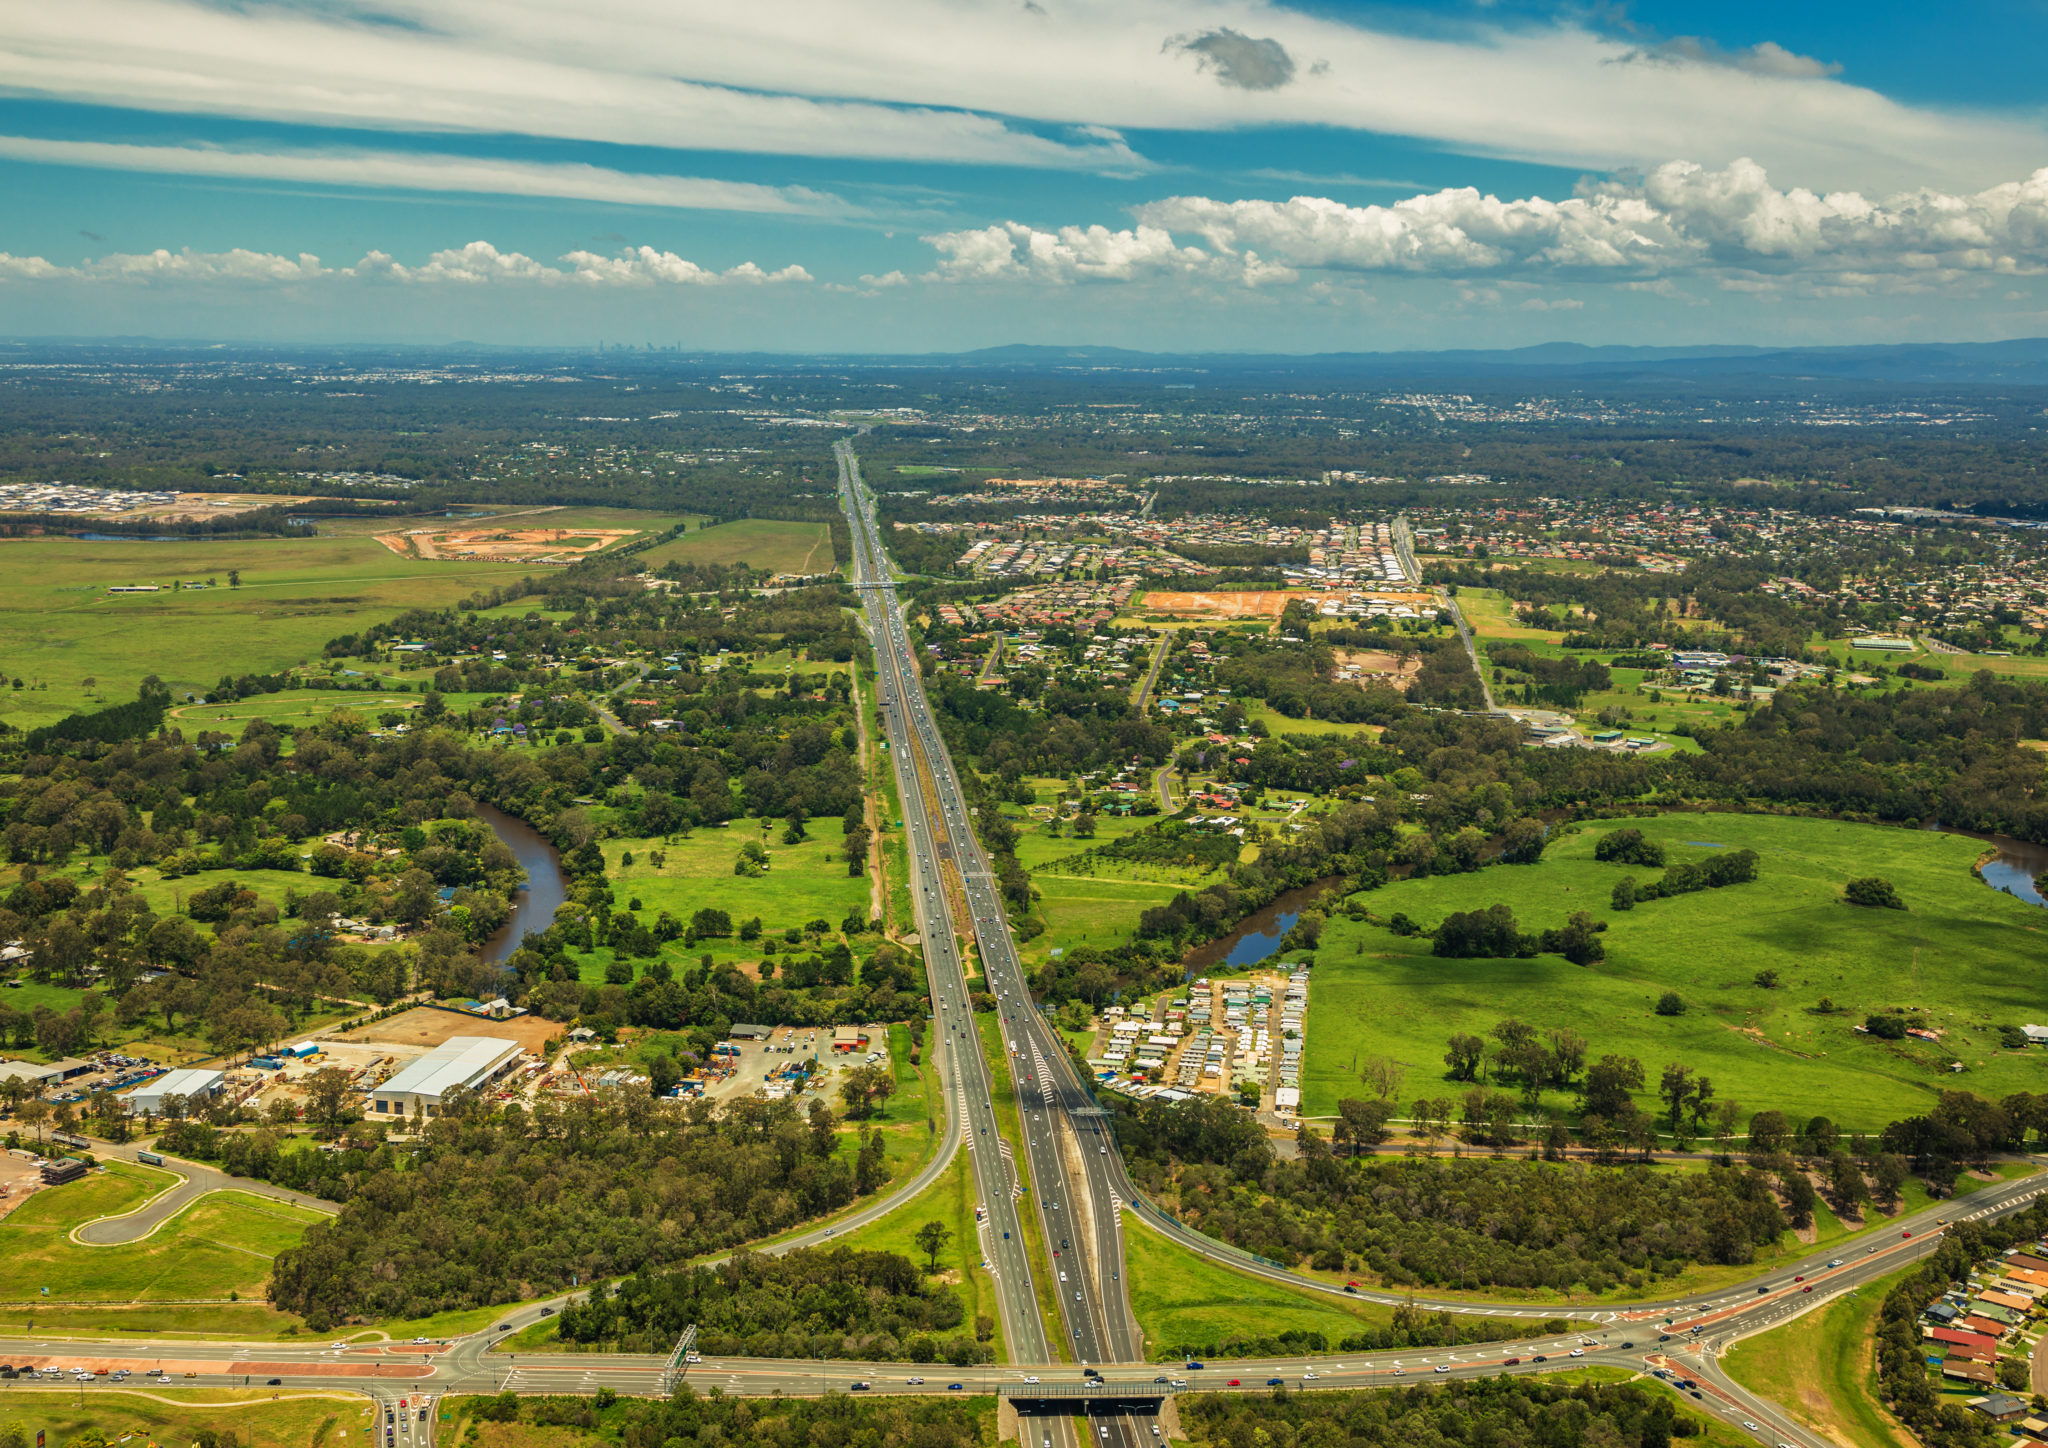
(2021, 362)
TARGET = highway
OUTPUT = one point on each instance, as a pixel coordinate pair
(1689, 1345)
(1080, 1197)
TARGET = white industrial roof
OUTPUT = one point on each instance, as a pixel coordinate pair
(188, 1082)
(457, 1061)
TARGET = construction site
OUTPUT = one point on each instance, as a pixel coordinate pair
(505, 545)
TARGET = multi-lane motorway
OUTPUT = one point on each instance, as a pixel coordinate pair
(1077, 1198)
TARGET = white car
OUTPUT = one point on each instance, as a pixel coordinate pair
(1578, 1352)
(416, 1342)
(1028, 1380)
(914, 1382)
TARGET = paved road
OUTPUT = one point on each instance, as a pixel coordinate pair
(197, 1181)
(1690, 1345)
(921, 769)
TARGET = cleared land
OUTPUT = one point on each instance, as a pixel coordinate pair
(504, 545)
(1952, 954)
(759, 542)
(1253, 603)
(59, 627)
(1820, 1368)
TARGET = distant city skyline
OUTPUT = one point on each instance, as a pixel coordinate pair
(847, 175)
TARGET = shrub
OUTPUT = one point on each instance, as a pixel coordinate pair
(1670, 1004)
(1873, 892)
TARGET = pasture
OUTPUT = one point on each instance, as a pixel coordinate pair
(766, 543)
(1959, 954)
(76, 646)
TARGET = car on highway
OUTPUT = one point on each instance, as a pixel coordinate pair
(861, 1387)
(919, 1382)
(1539, 1358)
(1028, 1380)
(1510, 1362)
(1578, 1352)
(1904, 1235)
(1443, 1367)
(1235, 1383)
(953, 1387)
(1836, 1263)
(275, 1383)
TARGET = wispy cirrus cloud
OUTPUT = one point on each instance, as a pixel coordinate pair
(1053, 84)
(477, 264)
(435, 171)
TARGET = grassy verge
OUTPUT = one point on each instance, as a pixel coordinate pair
(951, 1200)
(233, 1322)
(1819, 1368)
(222, 1244)
(258, 1419)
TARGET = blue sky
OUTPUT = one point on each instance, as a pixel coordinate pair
(935, 174)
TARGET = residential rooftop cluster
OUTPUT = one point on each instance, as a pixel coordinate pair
(55, 497)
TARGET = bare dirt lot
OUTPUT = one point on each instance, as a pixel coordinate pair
(1372, 664)
(1252, 603)
(505, 545)
(426, 1027)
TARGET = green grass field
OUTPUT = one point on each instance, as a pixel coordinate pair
(1951, 953)
(221, 1244)
(759, 542)
(260, 1418)
(951, 1200)
(59, 626)
(1819, 1368)
(804, 882)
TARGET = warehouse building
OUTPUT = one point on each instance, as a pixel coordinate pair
(460, 1063)
(193, 1085)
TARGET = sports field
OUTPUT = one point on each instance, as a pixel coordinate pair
(1955, 954)
(759, 542)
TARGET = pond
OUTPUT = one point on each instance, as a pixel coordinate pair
(2015, 867)
(533, 908)
(1258, 935)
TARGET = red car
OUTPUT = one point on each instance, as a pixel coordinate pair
(1905, 1234)
(1236, 1383)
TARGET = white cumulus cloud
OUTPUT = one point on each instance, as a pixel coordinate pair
(475, 265)
(1732, 223)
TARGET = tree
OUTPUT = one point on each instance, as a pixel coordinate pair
(1608, 1084)
(1567, 1053)
(1384, 1075)
(1624, 896)
(1676, 1089)
(327, 1094)
(413, 901)
(1670, 1004)
(1768, 1132)
(1767, 980)
(662, 1074)
(1630, 847)
(1364, 1122)
(1873, 892)
(1464, 1057)
(930, 1239)
(1523, 841)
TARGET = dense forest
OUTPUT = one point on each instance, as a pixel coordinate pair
(494, 1207)
(1503, 1412)
(714, 1420)
(816, 1302)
